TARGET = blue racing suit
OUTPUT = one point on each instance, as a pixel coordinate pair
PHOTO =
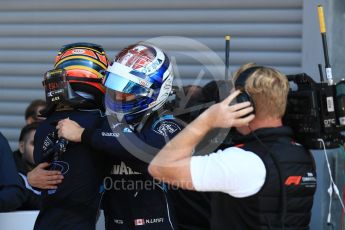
(74, 204)
(133, 199)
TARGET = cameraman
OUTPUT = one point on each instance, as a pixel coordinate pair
(267, 181)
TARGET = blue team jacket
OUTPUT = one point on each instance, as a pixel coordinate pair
(133, 200)
(75, 203)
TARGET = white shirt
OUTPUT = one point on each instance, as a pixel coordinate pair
(234, 171)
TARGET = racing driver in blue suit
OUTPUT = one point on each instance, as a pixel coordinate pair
(138, 83)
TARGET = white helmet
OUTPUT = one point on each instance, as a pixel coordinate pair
(142, 70)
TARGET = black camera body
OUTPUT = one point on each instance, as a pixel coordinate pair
(313, 111)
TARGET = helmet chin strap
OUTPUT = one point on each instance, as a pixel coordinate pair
(147, 115)
(138, 125)
(120, 116)
(142, 122)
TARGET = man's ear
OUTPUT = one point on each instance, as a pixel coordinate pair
(21, 147)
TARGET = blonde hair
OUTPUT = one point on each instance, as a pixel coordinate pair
(268, 89)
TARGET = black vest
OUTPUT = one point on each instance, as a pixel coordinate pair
(289, 199)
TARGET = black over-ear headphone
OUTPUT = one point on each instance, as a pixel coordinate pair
(240, 83)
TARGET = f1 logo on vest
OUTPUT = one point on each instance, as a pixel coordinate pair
(296, 180)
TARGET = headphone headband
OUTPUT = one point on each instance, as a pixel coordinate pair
(242, 78)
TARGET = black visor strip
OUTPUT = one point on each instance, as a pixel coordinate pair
(96, 80)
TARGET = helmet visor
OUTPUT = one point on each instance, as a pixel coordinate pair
(115, 82)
